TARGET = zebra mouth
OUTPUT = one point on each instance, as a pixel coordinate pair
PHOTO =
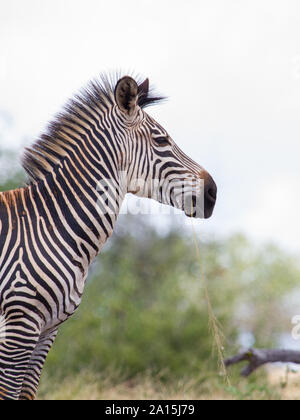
(209, 202)
(193, 209)
(202, 210)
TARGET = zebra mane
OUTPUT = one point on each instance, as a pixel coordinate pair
(50, 147)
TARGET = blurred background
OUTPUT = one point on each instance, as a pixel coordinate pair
(231, 71)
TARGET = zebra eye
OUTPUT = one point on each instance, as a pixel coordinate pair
(162, 141)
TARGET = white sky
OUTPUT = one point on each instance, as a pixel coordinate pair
(230, 68)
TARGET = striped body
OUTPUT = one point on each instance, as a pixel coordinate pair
(101, 147)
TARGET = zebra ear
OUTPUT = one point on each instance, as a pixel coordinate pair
(144, 89)
(126, 94)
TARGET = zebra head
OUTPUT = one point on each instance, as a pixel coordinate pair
(156, 167)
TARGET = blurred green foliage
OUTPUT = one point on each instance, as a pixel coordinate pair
(144, 307)
(11, 174)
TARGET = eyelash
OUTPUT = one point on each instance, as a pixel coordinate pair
(162, 141)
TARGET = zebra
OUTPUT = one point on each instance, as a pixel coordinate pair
(101, 146)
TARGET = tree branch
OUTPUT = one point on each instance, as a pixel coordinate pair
(259, 357)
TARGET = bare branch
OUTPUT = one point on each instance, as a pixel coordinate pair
(259, 357)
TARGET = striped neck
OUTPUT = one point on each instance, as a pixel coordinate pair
(79, 206)
(77, 163)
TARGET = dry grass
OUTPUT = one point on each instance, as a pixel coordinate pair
(287, 382)
(88, 386)
(215, 327)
